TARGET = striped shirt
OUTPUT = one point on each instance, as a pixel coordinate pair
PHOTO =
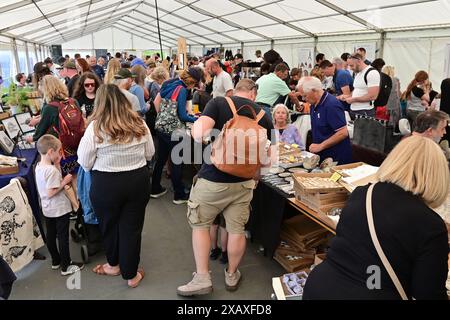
(108, 157)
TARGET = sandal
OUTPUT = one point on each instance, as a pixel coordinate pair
(100, 270)
(142, 274)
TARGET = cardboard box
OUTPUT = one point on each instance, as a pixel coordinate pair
(281, 289)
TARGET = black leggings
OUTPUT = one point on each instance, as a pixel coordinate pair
(119, 200)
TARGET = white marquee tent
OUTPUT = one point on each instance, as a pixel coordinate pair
(410, 35)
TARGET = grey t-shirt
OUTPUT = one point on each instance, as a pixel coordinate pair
(222, 84)
(48, 177)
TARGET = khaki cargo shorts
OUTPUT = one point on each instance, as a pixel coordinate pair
(208, 199)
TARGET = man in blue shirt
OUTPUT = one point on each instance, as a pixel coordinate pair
(98, 70)
(342, 81)
(328, 124)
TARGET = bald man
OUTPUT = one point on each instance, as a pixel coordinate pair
(223, 84)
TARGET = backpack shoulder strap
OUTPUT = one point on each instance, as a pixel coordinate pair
(175, 93)
(260, 115)
(367, 73)
(231, 105)
(377, 245)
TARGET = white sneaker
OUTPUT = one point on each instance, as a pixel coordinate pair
(72, 268)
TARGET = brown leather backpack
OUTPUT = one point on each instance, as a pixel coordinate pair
(240, 150)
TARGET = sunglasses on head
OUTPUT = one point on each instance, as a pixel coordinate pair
(87, 85)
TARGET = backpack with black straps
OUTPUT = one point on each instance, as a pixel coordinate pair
(71, 123)
(385, 88)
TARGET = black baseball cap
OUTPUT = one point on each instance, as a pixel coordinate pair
(197, 73)
(124, 74)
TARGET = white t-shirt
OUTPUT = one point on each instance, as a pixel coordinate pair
(361, 88)
(133, 100)
(222, 84)
(48, 177)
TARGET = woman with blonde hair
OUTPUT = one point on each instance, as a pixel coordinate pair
(158, 77)
(393, 104)
(173, 90)
(55, 93)
(138, 88)
(115, 149)
(111, 71)
(286, 132)
(413, 180)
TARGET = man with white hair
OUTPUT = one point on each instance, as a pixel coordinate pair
(329, 128)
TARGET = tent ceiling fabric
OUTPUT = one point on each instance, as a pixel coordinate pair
(206, 22)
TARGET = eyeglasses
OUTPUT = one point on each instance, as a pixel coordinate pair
(87, 85)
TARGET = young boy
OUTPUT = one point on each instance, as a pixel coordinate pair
(55, 204)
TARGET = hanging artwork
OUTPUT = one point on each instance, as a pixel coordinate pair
(19, 234)
(306, 59)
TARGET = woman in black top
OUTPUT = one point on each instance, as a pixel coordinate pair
(85, 91)
(413, 179)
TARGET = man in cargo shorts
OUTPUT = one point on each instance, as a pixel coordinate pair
(216, 191)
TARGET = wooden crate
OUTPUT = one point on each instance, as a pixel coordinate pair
(347, 166)
(321, 201)
(4, 170)
(362, 182)
(300, 188)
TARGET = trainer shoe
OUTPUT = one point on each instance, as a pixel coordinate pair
(232, 280)
(159, 193)
(55, 266)
(182, 200)
(72, 268)
(201, 284)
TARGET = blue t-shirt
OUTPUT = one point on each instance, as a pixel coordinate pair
(326, 119)
(342, 79)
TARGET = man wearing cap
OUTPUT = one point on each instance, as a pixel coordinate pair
(124, 79)
(138, 62)
(70, 74)
(98, 70)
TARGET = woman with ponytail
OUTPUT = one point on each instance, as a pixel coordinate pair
(417, 96)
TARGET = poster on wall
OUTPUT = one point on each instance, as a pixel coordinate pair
(306, 59)
(447, 61)
(371, 49)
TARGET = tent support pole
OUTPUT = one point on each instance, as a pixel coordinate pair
(36, 52)
(27, 55)
(272, 44)
(242, 48)
(381, 48)
(316, 42)
(15, 54)
(93, 44)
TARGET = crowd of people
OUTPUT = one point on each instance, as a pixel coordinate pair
(132, 109)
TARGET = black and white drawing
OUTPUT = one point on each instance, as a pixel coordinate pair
(14, 253)
(11, 127)
(23, 119)
(6, 143)
(8, 227)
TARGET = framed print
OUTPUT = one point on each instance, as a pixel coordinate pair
(6, 143)
(23, 119)
(11, 126)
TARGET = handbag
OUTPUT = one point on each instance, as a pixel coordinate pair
(377, 245)
(167, 120)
